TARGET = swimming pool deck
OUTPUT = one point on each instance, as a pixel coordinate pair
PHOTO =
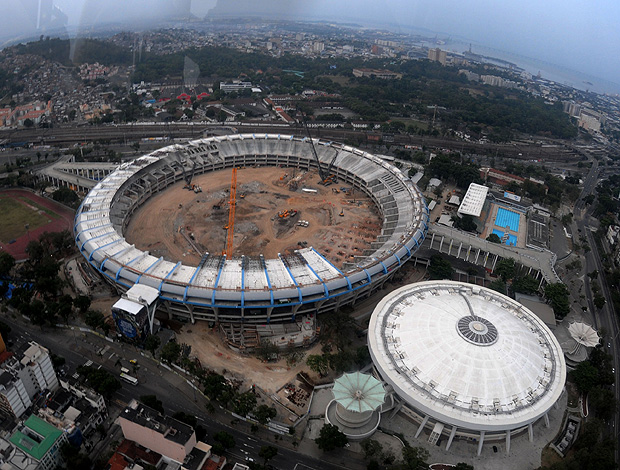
(508, 218)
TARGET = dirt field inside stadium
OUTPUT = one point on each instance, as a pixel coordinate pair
(181, 225)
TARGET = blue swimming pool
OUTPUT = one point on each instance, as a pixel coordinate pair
(506, 218)
(512, 239)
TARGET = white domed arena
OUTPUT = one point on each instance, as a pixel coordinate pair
(250, 288)
(467, 361)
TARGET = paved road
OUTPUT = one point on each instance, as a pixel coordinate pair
(604, 318)
(77, 347)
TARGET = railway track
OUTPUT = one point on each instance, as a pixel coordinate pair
(63, 136)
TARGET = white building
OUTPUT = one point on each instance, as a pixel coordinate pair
(23, 378)
(14, 399)
(467, 361)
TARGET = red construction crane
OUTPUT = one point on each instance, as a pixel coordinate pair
(231, 213)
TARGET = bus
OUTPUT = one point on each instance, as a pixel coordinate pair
(129, 379)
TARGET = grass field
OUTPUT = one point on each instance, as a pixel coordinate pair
(15, 215)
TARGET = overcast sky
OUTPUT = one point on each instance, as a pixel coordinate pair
(579, 34)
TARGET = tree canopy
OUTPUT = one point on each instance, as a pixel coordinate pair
(330, 438)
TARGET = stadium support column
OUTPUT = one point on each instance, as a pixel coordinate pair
(452, 434)
(419, 431)
(494, 262)
(480, 442)
(530, 432)
(546, 420)
(508, 441)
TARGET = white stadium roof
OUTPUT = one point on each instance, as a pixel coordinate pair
(474, 200)
(466, 355)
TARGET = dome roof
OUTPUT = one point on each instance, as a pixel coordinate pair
(466, 355)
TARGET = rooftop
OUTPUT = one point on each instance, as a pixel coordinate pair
(36, 437)
(170, 428)
(474, 200)
(466, 354)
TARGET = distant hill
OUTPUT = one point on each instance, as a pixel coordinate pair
(78, 51)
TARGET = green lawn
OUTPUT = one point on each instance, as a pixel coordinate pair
(14, 216)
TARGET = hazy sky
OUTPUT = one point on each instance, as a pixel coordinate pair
(580, 34)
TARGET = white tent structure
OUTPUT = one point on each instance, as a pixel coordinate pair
(355, 408)
(358, 392)
(584, 335)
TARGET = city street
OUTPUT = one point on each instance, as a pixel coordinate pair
(78, 347)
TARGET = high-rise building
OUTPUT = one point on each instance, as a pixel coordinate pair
(14, 399)
(437, 55)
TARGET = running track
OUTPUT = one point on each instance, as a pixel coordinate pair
(64, 221)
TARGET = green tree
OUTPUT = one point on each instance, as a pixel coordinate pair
(599, 301)
(225, 439)
(525, 284)
(216, 387)
(585, 376)
(372, 449)
(267, 453)
(7, 262)
(318, 363)
(28, 122)
(100, 380)
(415, 458)
(151, 343)
(244, 403)
(264, 413)
(498, 285)
(94, 319)
(505, 269)
(603, 402)
(557, 294)
(494, 238)
(170, 352)
(65, 307)
(82, 303)
(330, 438)
(440, 268)
(464, 466)
(153, 402)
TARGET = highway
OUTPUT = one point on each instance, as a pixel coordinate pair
(77, 348)
(604, 318)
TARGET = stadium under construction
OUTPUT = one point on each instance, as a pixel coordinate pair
(253, 288)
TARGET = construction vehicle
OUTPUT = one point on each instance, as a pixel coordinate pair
(341, 212)
(218, 205)
(283, 214)
(242, 195)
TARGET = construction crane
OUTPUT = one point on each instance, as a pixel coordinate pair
(324, 177)
(231, 213)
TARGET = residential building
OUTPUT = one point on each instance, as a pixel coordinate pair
(168, 436)
(24, 376)
(40, 441)
(14, 399)
(437, 55)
